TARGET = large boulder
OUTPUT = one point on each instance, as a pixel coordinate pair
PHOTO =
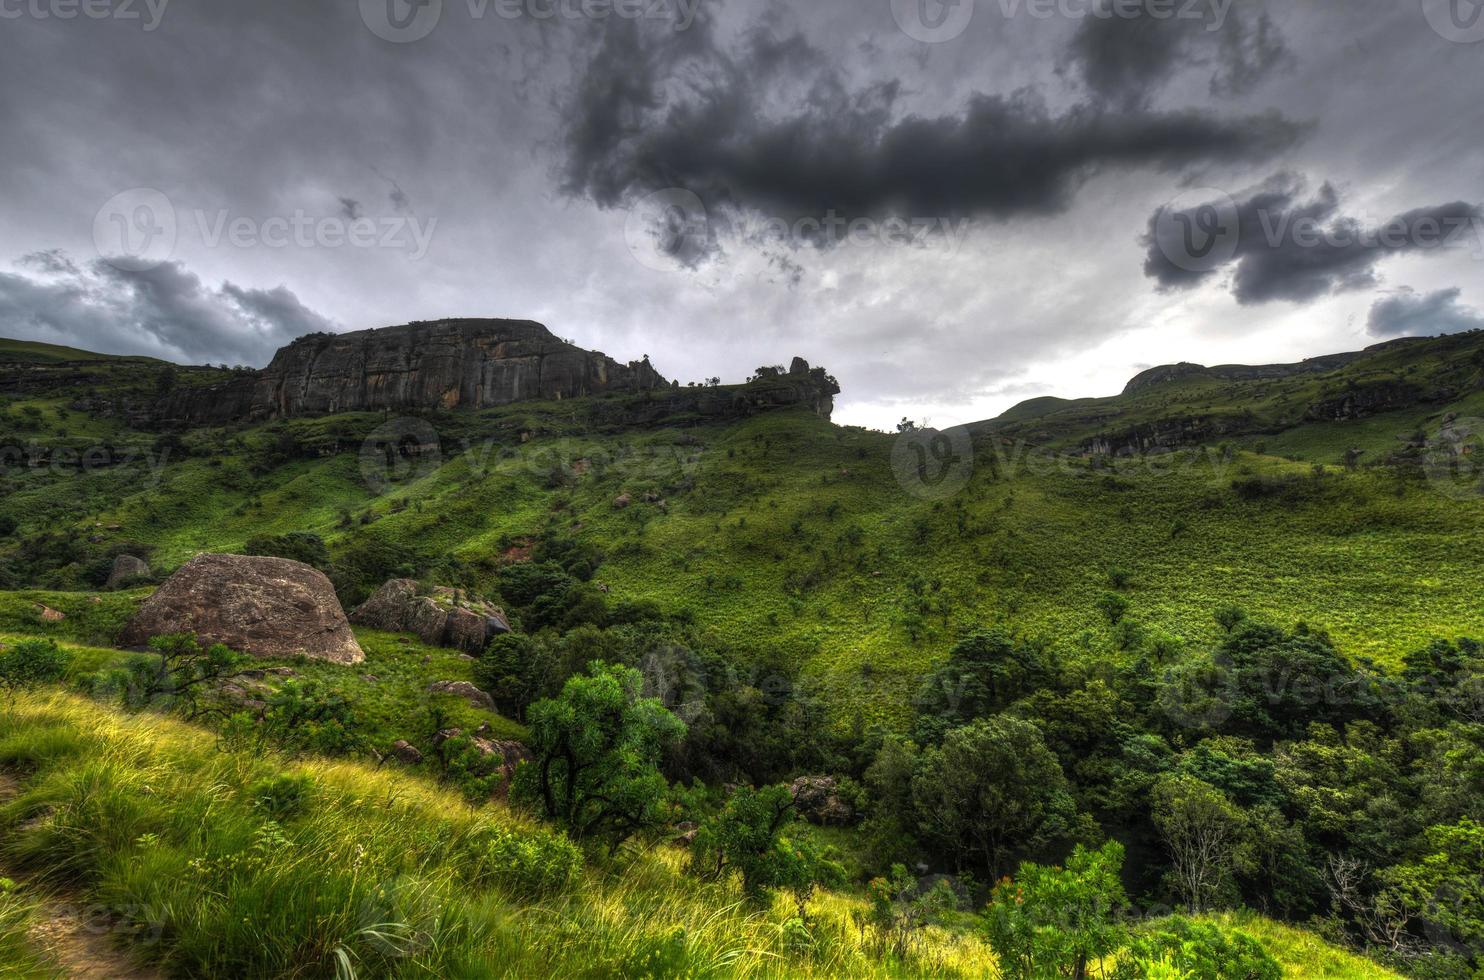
(126, 569)
(440, 617)
(267, 607)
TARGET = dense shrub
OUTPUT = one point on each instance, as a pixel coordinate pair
(1197, 950)
(528, 864)
(29, 663)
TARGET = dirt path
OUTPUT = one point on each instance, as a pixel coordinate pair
(74, 935)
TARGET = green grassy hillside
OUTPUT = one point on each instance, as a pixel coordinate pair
(1069, 581)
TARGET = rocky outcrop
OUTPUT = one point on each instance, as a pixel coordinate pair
(439, 616)
(819, 801)
(405, 752)
(447, 364)
(1364, 400)
(509, 754)
(126, 569)
(463, 689)
(267, 607)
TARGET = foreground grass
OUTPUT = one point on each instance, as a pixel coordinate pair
(1303, 955)
(210, 866)
(372, 875)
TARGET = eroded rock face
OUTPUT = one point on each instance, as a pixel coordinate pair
(267, 607)
(447, 364)
(441, 617)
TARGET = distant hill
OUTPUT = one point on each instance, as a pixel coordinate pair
(1373, 400)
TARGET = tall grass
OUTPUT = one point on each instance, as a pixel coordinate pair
(219, 866)
(214, 862)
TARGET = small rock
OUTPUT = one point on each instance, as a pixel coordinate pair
(465, 656)
(622, 501)
(49, 615)
(370, 678)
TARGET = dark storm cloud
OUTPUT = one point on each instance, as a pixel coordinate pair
(164, 312)
(772, 127)
(1283, 248)
(1127, 60)
(1413, 314)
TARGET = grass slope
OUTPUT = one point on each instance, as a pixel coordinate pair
(783, 530)
(205, 869)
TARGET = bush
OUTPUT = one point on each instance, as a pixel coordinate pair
(528, 864)
(1054, 922)
(30, 663)
(597, 750)
(309, 716)
(747, 837)
(1198, 950)
(284, 796)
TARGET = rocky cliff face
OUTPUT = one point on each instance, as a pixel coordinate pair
(447, 364)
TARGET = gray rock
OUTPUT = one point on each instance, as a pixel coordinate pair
(818, 800)
(126, 569)
(404, 751)
(447, 364)
(441, 617)
(465, 690)
(266, 607)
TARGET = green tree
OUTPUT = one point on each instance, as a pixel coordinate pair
(984, 674)
(748, 837)
(1113, 606)
(310, 716)
(1446, 884)
(178, 672)
(1203, 830)
(597, 749)
(1229, 617)
(991, 789)
(1055, 922)
(300, 546)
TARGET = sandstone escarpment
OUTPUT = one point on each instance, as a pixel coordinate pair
(447, 364)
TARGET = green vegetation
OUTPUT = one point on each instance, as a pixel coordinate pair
(1235, 678)
(248, 864)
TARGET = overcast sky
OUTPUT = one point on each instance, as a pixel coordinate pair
(1042, 196)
